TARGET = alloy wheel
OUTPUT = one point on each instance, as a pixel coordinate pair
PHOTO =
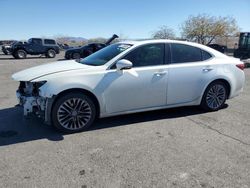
(216, 96)
(74, 113)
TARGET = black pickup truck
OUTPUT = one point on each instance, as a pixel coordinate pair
(35, 46)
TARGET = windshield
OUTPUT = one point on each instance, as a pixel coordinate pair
(104, 55)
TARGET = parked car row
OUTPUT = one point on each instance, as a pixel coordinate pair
(49, 48)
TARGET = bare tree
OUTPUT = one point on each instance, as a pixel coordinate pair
(164, 32)
(204, 28)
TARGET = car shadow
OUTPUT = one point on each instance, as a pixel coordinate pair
(14, 128)
(147, 117)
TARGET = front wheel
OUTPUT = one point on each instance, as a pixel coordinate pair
(214, 97)
(76, 56)
(73, 112)
(20, 54)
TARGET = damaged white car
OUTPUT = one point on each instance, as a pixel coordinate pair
(129, 77)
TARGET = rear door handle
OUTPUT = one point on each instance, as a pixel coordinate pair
(161, 73)
(207, 69)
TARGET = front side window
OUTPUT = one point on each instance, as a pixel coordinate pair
(104, 55)
(37, 41)
(148, 55)
(182, 53)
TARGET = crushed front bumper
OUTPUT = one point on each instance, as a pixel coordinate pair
(32, 104)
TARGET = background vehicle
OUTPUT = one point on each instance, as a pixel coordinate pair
(129, 77)
(243, 51)
(84, 51)
(64, 46)
(6, 49)
(35, 46)
(6, 46)
(218, 47)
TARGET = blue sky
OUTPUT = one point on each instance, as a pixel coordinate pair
(22, 19)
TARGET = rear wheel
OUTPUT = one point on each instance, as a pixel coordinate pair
(20, 54)
(73, 112)
(51, 53)
(215, 96)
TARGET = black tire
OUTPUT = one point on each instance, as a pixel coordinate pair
(20, 54)
(73, 112)
(76, 55)
(214, 96)
(67, 57)
(51, 53)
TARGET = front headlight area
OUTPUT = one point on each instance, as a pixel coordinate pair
(29, 98)
(30, 88)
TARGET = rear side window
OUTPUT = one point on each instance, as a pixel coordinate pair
(205, 55)
(48, 41)
(182, 53)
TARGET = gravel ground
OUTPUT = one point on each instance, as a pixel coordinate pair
(181, 147)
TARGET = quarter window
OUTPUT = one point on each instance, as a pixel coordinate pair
(182, 53)
(205, 55)
(148, 55)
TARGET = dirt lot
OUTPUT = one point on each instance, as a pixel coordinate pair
(181, 147)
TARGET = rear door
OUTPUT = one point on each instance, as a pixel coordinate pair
(49, 43)
(189, 72)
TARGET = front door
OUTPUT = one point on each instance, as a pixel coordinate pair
(142, 86)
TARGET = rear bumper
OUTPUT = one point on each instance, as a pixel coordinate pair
(239, 83)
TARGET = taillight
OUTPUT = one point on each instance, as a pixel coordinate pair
(241, 66)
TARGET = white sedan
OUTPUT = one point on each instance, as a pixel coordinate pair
(129, 77)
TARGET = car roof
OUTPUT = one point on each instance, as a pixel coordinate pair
(206, 48)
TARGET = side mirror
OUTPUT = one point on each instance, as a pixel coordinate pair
(123, 64)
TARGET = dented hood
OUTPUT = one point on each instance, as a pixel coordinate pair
(47, 69)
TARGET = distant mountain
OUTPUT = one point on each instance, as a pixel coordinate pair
(76, 39)
(71, 41)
